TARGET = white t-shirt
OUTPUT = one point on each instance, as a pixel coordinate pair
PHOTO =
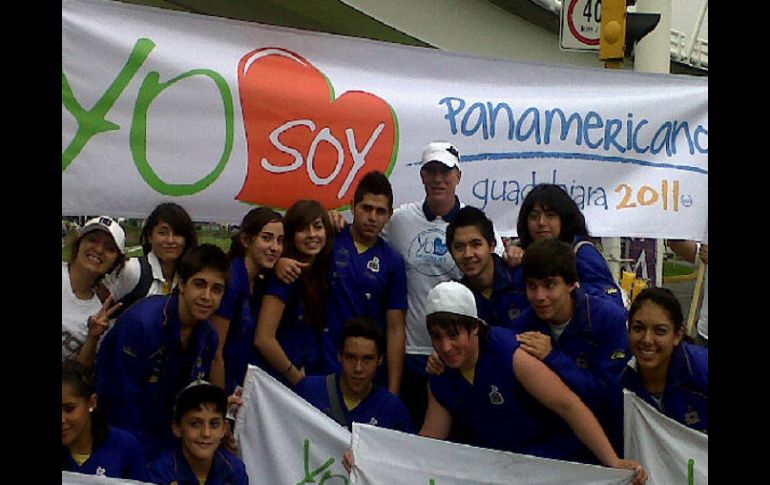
(129, 276)
(557, 330)
(422, 244)
(74, 316)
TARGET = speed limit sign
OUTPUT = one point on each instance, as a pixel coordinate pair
(580, 20)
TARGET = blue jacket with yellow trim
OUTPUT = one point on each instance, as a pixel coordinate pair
(594, 274)
(593, 350)
(141, 367)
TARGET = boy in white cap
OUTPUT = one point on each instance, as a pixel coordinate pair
(96, 251)
(507, 398)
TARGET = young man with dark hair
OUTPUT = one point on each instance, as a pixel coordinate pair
(367, 278)
(582, 338)
(158, 346)
(507, 398)
(199, 425)
(499, 290)
(351, 395)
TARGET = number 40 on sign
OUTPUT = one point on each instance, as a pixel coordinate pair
(580, 21)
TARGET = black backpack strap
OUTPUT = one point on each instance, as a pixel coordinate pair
(336, 411)
(141, 288)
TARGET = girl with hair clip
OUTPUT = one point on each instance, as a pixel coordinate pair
(253, 252)
(667, 371)
(96, 251)
(292, 317)
(167, 235)
(548, 212)
(88, 444)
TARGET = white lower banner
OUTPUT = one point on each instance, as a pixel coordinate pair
(285, 440)
(386, 456)
(670, 451)
(72, 478)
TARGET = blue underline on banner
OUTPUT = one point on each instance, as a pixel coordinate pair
(571, 156)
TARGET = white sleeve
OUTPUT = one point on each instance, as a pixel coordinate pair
(499, 244)
(122, 284)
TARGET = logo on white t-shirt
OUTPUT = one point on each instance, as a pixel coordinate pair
(429, 254)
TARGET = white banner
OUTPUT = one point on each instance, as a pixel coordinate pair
(670, 451)
(285, 440)
(386, 456)
(219, 115)
(72, 478)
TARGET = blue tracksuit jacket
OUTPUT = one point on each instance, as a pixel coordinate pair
(141, 367)
(509, 296)
(685, 397)
(594, 274)
(119, 456)
(380, 408)
(367, 284)
(591, 352)
(242, 309)
(227, 469)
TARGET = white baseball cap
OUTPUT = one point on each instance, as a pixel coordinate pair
(108, 225)
(451, 297)
(441, 151)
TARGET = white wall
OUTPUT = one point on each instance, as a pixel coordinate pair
(474, 27)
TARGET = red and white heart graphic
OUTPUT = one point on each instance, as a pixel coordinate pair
(302, 142)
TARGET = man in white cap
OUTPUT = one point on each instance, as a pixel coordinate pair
(417, 230)
(500, 393)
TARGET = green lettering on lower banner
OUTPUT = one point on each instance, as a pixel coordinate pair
(323, 470)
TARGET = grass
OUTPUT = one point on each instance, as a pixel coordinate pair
(677, 268)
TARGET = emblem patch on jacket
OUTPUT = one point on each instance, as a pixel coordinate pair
(495, 397)
(618, 354)
(691, 416)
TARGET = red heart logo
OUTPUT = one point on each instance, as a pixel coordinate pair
(302, 142)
